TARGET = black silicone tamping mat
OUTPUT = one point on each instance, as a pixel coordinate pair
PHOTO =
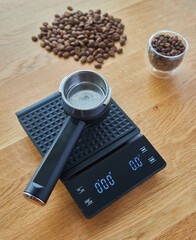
(43, 120)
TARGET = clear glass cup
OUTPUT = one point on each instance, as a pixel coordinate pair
(162, 66)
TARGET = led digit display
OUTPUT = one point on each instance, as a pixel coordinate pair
(104, 183)
(135, 163)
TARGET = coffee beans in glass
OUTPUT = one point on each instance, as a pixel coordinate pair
(165, 52)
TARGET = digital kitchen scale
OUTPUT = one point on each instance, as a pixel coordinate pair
(110, 159)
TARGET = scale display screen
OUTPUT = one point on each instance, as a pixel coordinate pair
(115, 175)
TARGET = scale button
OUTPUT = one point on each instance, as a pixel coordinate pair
(88, 202)
(143, 149)
(80, 190)
(152, 160)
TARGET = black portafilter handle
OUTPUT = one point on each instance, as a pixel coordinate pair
(53, 163)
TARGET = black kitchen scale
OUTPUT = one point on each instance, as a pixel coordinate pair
(110, 158)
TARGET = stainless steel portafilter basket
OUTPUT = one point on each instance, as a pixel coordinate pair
(85, 94)
(86, 97)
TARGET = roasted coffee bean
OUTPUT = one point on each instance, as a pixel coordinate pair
(70, 8)
(60, 46)
(119, 50)
(99, 39)
(72, 53)
(69, 48)
(97, 65)
(48, 48)
(66, 54)
(105, 56)
(111, 44)
(43, 29)
(121, 26)
(66, 43)
(98, 55)
(80, 36)
(60, 40)
(107, 49)
(67, 14)
(100, 50)
(65, 37)
(111, 53)
(45, 24)
(122, 41)
(83, 59)
(100, 60)
(90, 58)
(55, 50)
(54, 43)
(116, 37)
(34, 38)
(42, 44)
(95, 52)
(87, 53)
(81, 44)
(102, 45)
(60, 53)
(39, 36)
(96, 45)
(82, 53)
(173, 52)
(77, 50)
(114, 48)
(87, 36)
(98, 11)
(46, 42)
(91, 50)
(85, 41)
(76, 58)
(52, 39)
(91, 43)
(124, 37)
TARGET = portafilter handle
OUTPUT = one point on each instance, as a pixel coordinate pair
(53, 163)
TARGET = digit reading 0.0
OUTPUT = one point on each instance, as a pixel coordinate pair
(104, 183)
(136, 163)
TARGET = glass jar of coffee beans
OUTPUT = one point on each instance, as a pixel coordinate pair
(165, 52)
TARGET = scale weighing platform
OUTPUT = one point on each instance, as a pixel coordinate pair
(110, 158)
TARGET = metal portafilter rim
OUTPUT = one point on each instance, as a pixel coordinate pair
(77, 79)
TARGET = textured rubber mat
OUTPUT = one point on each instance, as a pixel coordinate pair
(43, 120)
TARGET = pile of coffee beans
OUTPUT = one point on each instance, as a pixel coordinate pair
(87, 36)
(168, 46)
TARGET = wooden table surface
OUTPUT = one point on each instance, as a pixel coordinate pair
(163, 207)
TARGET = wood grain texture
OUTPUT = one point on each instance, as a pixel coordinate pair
(163, 207)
